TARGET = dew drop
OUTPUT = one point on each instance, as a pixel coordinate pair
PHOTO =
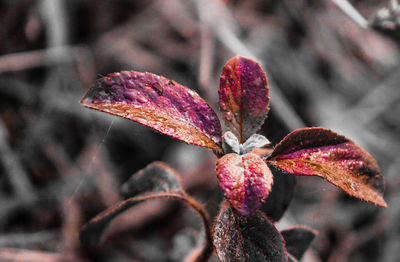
(126, 75)
(142, 99)
(228, 116)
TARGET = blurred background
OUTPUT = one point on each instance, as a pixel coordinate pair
(61, 164)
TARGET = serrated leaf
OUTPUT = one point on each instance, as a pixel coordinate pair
(158, 103)
(281, 194)
(245, 181)
(153, 187)
(253, 238)
(243, 96)
(298, 239)
(324, 153)
(155, 177)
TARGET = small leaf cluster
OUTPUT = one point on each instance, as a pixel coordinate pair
(256, 179)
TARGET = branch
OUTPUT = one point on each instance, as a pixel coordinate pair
(352, 13)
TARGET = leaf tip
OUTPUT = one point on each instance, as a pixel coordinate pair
(380, 202)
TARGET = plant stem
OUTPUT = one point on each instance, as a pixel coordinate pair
(201, 254)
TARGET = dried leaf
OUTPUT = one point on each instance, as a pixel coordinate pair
(281, 194)
(245, 181)
(253, 238)
(324, 153)
(155, 177)
(298, 239)
(243, 96)
(159, 103)
(153, 187)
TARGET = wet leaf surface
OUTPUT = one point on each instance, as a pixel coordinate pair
(298, 239)
(253, 238)
(243, 96)
(245, 181)
(324, 153)
(159, 103)
(281, 194)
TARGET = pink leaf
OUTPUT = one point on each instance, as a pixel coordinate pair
(243, 96)
(245, 181)
(324, 153)
(159, 103)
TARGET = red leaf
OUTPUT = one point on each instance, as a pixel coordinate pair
(245, 181)
(253, 238)
(243, 96)
(159, 103)
(324, 153)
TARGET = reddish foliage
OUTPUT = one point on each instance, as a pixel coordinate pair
(322, 152)
(159, 103)
(245, 178)
(245, 181)
(243, 96)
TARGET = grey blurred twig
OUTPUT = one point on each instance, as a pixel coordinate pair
(25, 255)
(351, 12)
(19, 179)
(27, 239)
(54, 15)
(31, 59)
(207, 58)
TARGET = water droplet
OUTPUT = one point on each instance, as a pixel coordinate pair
(126, 74)
(142, 99)
(228, 116)
(191, 93)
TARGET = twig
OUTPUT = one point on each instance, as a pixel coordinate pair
(24, 255)
(56, 21)
(31, 59)
(203, 253)
(207, 57)
(27, 239)
(351, 12)
(69, 244)
(16, 174)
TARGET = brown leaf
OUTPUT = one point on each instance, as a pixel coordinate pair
(324, 153)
